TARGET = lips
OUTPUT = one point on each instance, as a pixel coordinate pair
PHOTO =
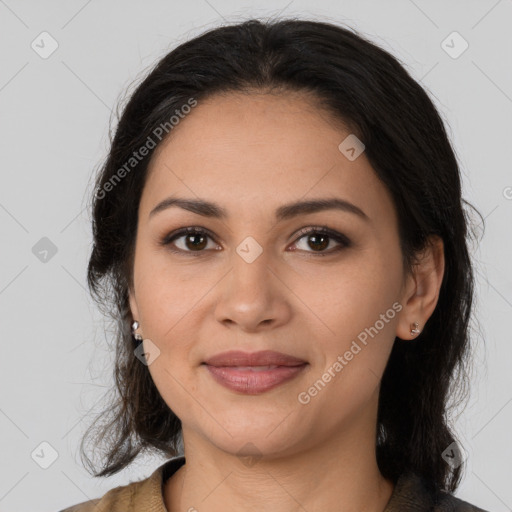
(254, 373)
(262, 358)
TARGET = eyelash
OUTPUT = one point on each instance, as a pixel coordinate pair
(319, 230)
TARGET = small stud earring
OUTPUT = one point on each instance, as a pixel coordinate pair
(415, 329)
(135, 326)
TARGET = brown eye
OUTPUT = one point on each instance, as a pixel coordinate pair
(197, 242)
(319, 239)
(194, 240)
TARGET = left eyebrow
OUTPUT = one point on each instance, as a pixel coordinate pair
(290, 210)
(287, 211)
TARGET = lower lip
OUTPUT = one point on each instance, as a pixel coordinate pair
(252, 382)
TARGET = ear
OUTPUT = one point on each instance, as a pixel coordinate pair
(133, 304)
(421, 291)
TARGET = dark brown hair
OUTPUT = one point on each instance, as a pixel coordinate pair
(366, 88)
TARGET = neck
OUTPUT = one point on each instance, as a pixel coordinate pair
(342, 470)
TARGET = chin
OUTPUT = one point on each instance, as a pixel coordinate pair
(256, 443)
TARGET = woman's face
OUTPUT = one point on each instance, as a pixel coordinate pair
(252, 282)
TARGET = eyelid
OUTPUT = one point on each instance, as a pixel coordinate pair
(343, 241)
(322, 229)
(340, 238)
(180, 232)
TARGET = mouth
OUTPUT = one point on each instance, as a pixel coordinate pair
(253, 380)
(253, 373)
(262, 358)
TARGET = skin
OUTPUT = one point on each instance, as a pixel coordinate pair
(252, 154)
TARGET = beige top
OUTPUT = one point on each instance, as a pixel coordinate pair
(409, 495)
(142, 496)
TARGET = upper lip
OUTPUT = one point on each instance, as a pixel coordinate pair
(262, 358)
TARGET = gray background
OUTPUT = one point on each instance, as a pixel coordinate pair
(55, 114)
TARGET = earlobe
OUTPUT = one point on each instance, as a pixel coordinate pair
(135, 316)
(422, 291)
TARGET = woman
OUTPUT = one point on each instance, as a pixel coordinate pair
(279, 226)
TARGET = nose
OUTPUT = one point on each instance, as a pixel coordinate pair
(252, 296)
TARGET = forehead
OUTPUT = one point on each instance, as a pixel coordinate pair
(253, 152)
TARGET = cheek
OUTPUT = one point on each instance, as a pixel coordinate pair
(171, 299)
(166, 293)
(356, 315)
(351, 296)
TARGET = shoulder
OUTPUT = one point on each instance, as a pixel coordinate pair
(413, 493)
(445, 502)
(139, 495)
(116, 499)
(85, 506)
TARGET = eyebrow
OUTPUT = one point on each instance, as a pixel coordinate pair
(287, 211)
